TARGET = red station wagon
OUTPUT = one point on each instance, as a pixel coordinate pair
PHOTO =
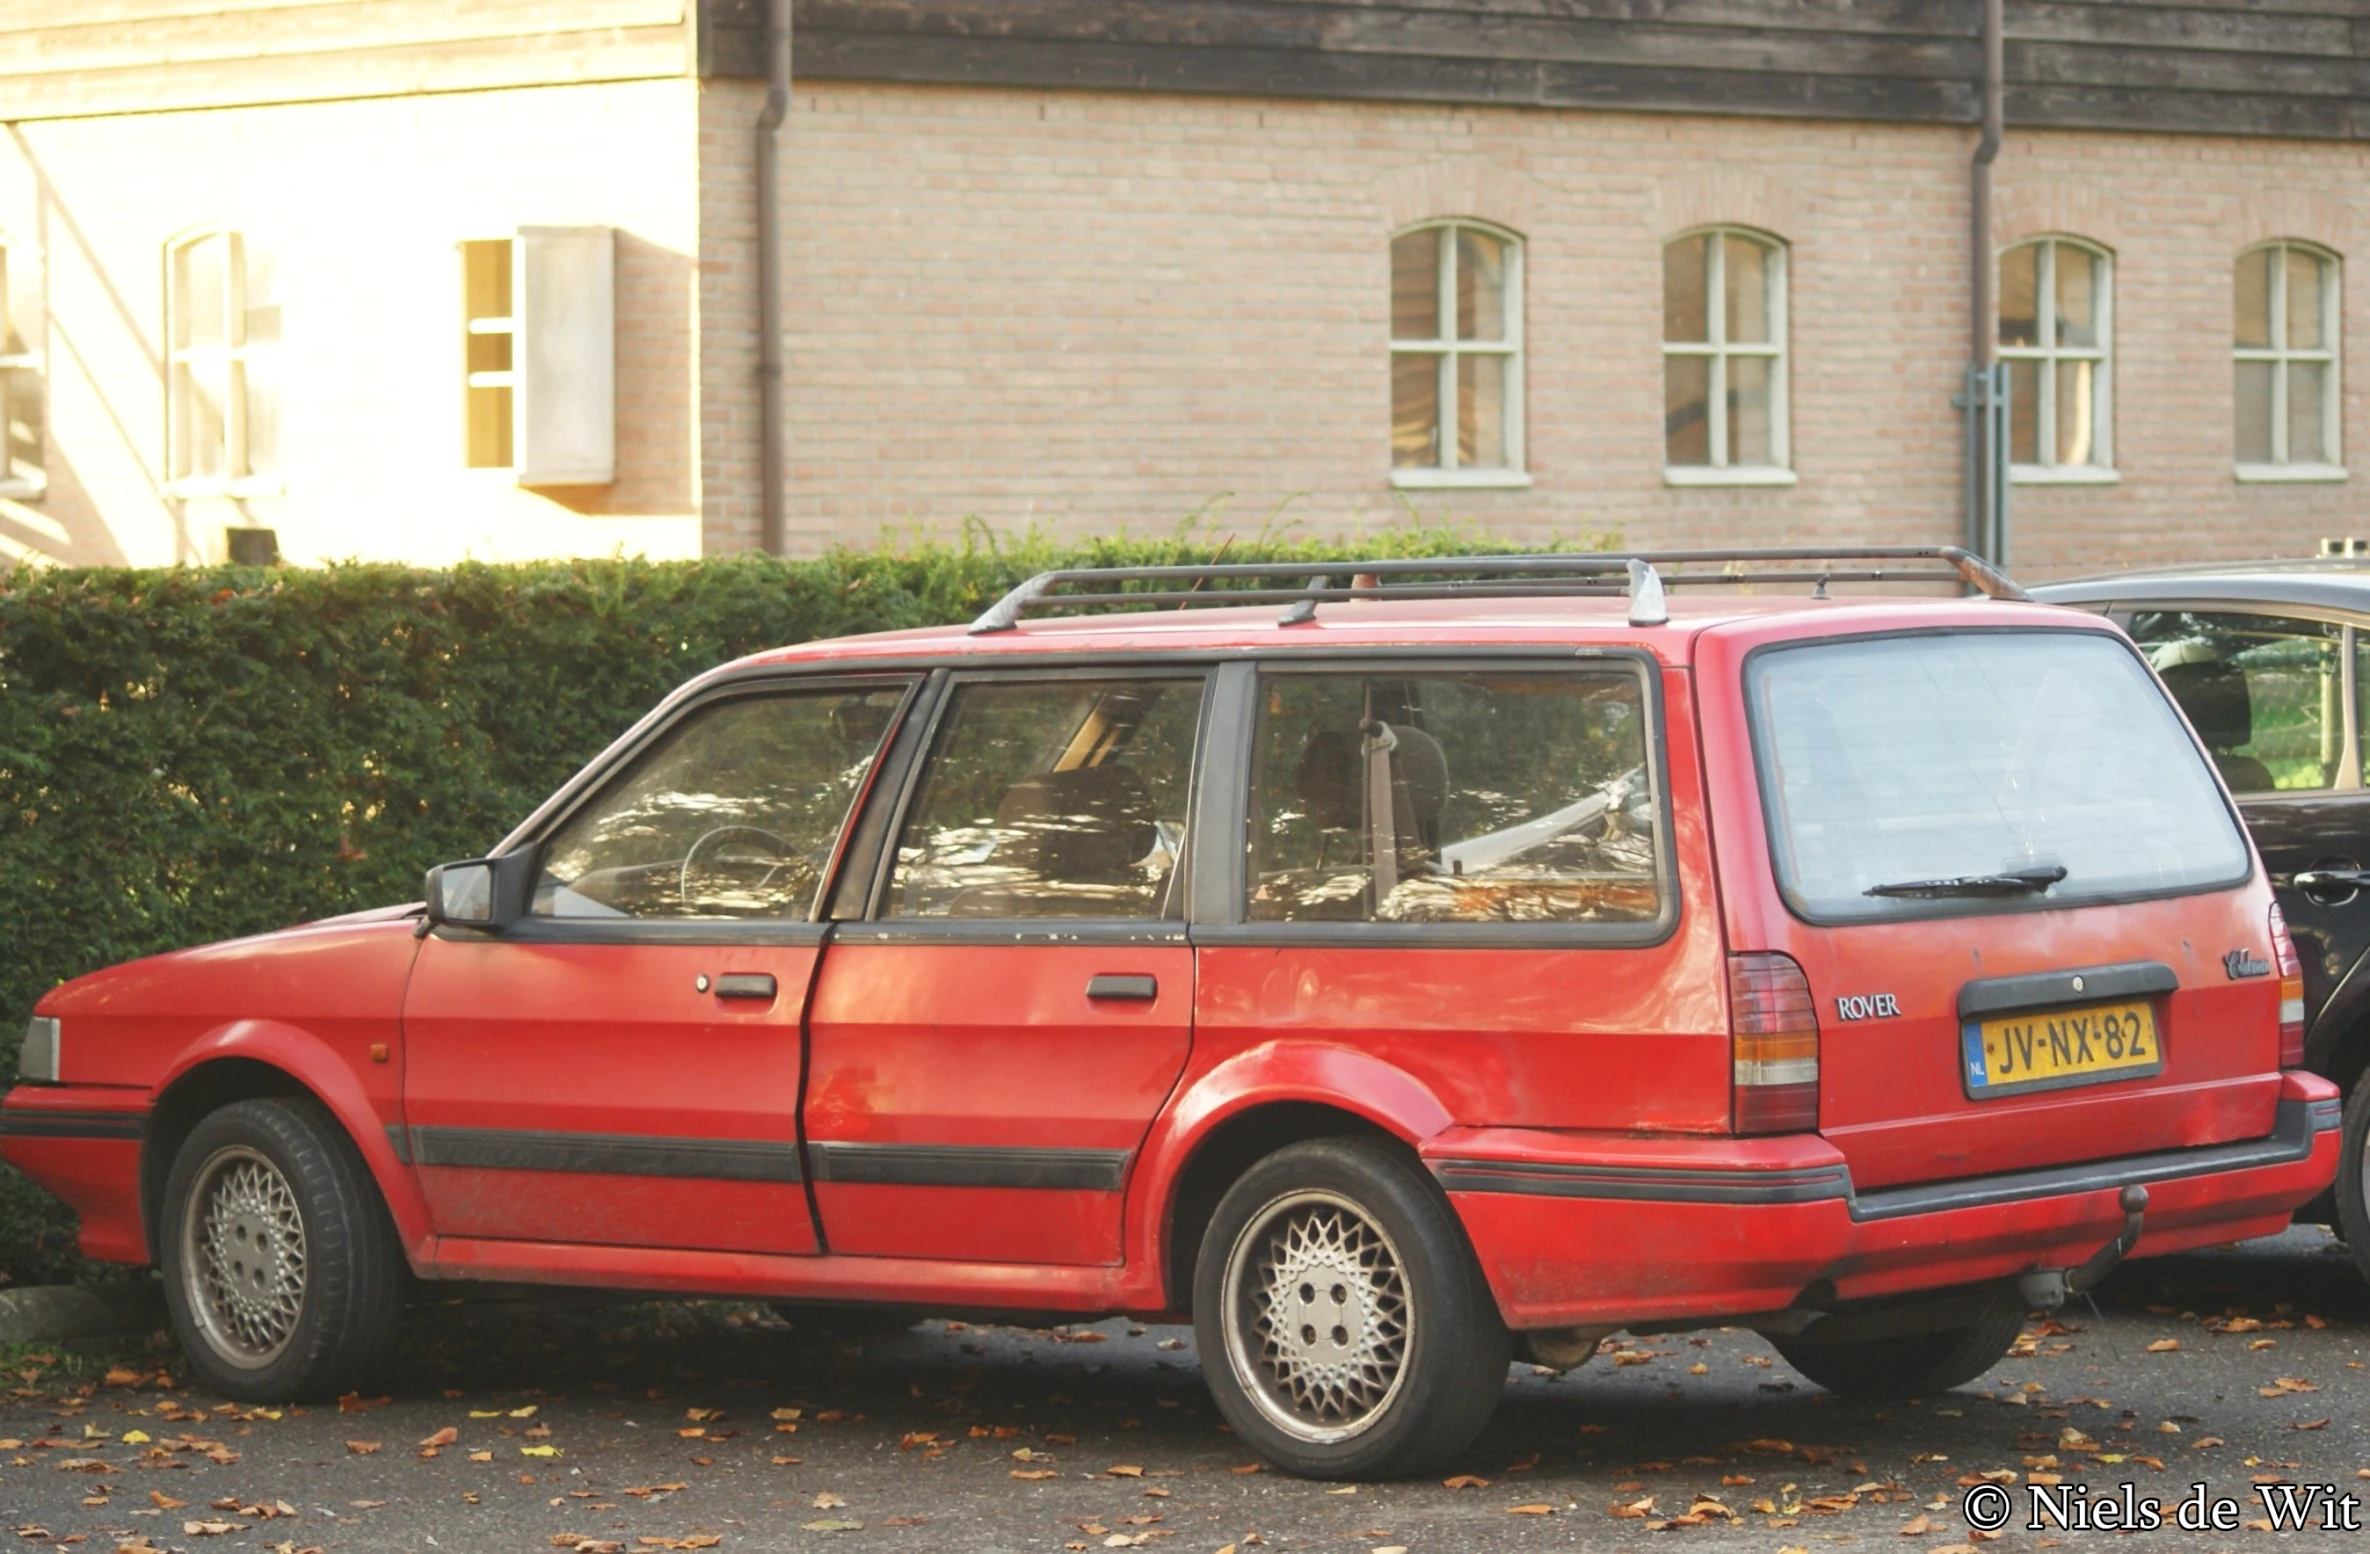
(1386, 969)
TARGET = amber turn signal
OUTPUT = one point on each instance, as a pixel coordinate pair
(2291, 991)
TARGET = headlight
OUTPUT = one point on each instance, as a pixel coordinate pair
(37, 1060)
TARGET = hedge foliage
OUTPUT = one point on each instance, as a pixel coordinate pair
(189, 755)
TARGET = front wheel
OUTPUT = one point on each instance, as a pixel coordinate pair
(283, 1272)
(1908, 1365)
(1345, 1328)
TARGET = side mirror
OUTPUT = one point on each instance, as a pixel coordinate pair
(488, 893)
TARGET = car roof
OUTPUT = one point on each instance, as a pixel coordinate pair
(2337, 583)
(1597, 621)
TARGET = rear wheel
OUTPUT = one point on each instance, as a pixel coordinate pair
(283, 1272)
(1344, 1326)
(1908, 1365)
(2353, 1175)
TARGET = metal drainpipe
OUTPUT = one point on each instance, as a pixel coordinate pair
(771, 527)
(1986, 466)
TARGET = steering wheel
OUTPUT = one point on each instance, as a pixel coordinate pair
(785, 856)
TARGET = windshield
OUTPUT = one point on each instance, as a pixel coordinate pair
(1961, 772)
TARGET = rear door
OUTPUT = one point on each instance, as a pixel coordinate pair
(2012, 882)
(993, 1033)
(622, 1066)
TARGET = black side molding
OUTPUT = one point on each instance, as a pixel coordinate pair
(2128, 979)
(24, 1122)
(969, 1165)
(606, 1154)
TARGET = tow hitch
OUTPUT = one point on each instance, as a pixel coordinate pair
(2046, 1289)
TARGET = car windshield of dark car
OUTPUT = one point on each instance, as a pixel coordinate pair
(1975, 757)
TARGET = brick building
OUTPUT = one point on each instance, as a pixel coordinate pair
(426, 278)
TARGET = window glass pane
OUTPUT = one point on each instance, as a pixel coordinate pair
(734, 814)
(2020, 319)
(1453, 798)
(1052, 799)
(2077, 413)
(2304, 301)
(1747, 286)
(2253, 411)
(1481, 411)
(2306, 442)
(2078, 274)
(1685, 271)
(198, 293)
(1481, 286)
(1415, 410)
(1686, 409)
(1748, 410)
(200, 396)
(259, 384)
(2024, 412)
(260, 323)
(2264, 693)
(1415, 285)
(1940, 756)
(2250, 299)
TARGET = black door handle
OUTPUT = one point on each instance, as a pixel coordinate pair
(746, 984)
(1128, 988)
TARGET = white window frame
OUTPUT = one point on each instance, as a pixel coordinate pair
(1719, 350)
(1448, 474)
(20, 374)
(2279, 355)
(233, 355)
(2101, 469)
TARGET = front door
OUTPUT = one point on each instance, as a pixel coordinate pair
(990, 1043)
(622, 1066)
(2268, 695)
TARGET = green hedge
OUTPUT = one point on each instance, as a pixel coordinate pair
(189, 755)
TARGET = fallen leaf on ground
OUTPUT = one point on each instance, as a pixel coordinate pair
(1465, 1481)
(1536, 1508)
(2164, 1346)
(443, 1437)
(362, 1448)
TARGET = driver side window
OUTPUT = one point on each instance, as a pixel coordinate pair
(732, 814)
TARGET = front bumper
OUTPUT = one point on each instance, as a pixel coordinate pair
(1590, 1230)
(83, 1143)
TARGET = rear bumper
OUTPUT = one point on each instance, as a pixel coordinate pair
(1593, 1230)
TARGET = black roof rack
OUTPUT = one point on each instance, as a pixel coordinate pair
(1631, 573)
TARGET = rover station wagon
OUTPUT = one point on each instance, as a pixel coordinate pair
(1388, 972)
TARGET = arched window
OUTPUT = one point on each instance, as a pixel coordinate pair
(1456, 355)
(2057, 315)
(2284, 334)
(222, 332)
(1724, 357)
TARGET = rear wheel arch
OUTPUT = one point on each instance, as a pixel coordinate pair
(1220, 1157)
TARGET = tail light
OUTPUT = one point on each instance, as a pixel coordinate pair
(1773, 1032)
(2291, 992)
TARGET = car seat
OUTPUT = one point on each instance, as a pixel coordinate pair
(2213, 692)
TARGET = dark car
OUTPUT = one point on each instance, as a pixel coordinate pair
(2269, 659)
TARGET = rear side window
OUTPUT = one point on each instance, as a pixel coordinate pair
(2266, 694)
(1052, 799)
(1518, 797)
(1901, 774)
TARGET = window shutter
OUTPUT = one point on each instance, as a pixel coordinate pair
(563, 288)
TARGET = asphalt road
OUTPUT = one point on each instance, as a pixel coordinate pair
(565, 1423)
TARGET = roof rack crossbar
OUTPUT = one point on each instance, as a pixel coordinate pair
(1501, 576)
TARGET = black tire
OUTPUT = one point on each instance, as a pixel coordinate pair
(2353, 1213)
(1414, 1359)
(1911, 1365)
(254, 1182)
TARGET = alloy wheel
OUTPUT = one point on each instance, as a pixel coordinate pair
(1319, 1316)
(243, 1256)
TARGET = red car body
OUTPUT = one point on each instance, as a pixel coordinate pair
(957, 1124)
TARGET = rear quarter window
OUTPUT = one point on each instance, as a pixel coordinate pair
(1887, 761)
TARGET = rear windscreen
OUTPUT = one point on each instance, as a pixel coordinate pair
(1957, 772)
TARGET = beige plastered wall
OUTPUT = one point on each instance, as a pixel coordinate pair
(361, 204)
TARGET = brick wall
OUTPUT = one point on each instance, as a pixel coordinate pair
(1087, 311)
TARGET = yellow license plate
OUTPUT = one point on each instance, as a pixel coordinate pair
(2052, 1049)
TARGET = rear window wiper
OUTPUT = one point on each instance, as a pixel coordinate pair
(2017, 882)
